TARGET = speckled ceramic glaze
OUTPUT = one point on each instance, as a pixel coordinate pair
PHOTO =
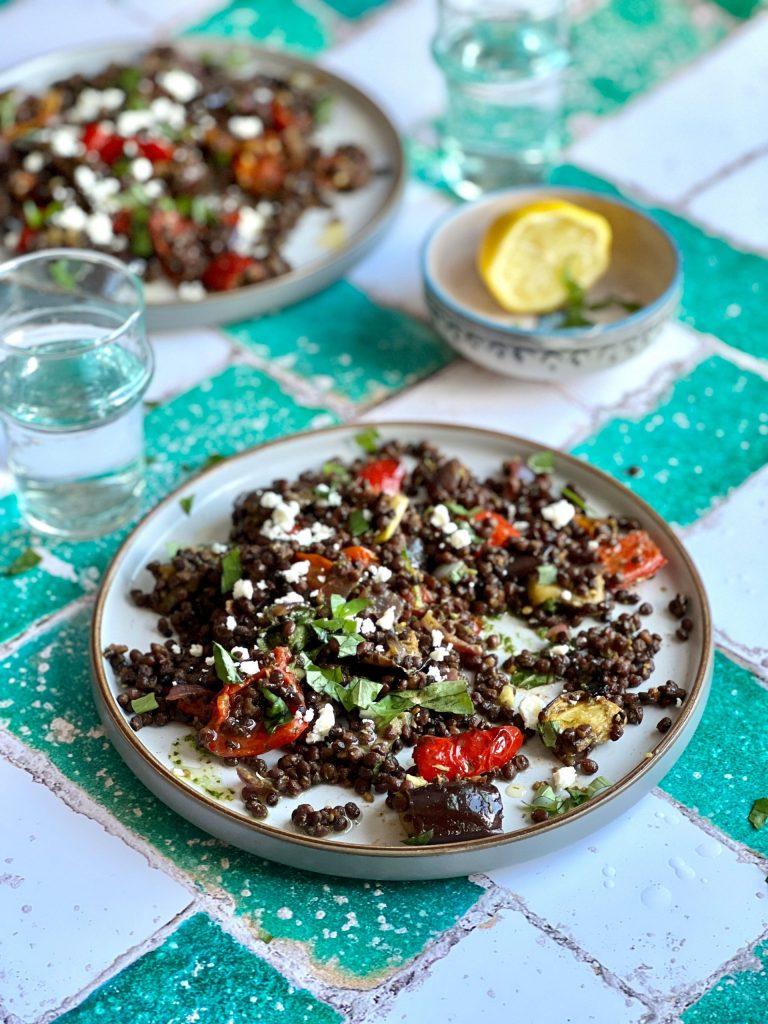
(206, 791)
(645, 268)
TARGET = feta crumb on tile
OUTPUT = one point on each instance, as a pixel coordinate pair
(563, 777)
(559, 513)
(460, 539)
(387, 620)
(242, 588)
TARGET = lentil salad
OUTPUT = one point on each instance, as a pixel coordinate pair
(344, 625)
(192, 169)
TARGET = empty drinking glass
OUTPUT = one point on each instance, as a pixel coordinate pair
(74, 365)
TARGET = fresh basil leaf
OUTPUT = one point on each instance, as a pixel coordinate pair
(549, 731)
(187, 503)
(574, 498)
(8, 105)
(368, 440)
(547, 574)
(226, 669)
(323, 109)
(360, 693)
(558, 803)
(33, 215)
(541, 462)
(450, 696)
(276, 713)
(146, 703)
(27, 560)
(338, 473)
(421, 839)
(528, 680)
(758, 816)
(351, 608)
(213, 460)
(231, 570)
(460, 510)
(580, 794)
(324, 680)
(389, 707)
(348, 645)
(357, 524)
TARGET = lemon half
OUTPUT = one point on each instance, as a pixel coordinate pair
(527, 255)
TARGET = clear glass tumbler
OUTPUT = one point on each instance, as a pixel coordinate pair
(74, 365)
(504, 63)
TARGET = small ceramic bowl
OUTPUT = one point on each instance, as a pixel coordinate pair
(644, 269)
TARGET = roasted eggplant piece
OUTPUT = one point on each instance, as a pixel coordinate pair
(573, 723)
(450, 812)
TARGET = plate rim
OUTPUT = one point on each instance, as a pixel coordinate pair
(689, 710)
(349, 252)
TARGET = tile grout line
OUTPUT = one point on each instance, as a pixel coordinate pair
(43, 625)
(744, 854)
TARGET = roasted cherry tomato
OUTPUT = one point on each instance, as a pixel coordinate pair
(634, 555)
(357, 553)
(503, 530)
(319, 567)
(225, 271)
(98, 139)
(260, 739)
(260, 173)
(470, 753)
(155, 149)
(25, 237)
(385, 476)
(122, 222)
(282, 117)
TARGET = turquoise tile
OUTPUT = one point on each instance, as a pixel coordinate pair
(740, 997)
(355, 8)
(200, 974)
(282, 24)
(725, 289)
(702, 440)
(342, 341)
(359, 930)
(713, 776)
(240, 408)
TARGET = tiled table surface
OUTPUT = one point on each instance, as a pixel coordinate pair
(111, 907)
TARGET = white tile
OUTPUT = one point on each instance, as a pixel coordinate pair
(504, 970)
(72, 898)
(641, 894)
(38, 26)
(640, 378)
(408, 85)
(737, 205)
(729, 549)
(184, 358)
(683, 132)
(468, 394)
(391, 273)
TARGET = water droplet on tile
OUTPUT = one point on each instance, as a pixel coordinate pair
(656, 897)
(709, 849)
(681, 869)
(609, 872)
(609, 883)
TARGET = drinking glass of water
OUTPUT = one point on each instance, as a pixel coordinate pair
(74, 365)
(504, 63)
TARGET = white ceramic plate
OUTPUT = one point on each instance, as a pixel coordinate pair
(208, 793)
(364, 214)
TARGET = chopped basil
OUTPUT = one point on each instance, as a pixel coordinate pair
(549, 731)
(342, 624)
(323, 108)
(27, 560)
(338, 473)
(231, 570)
(213, 460)
(574, 498)
(547, 574)
(348, 645)
(324, 680)
(460, 510)
(146, 703)
(276, 712)
(368, 440)
(558, 803)
(33, 215)
(758, 816)
(264, 935)
(449, 696)
(422, 839)
(357, 523)
(63, 275)
(528, 680)
(226, 669)
(187, 503)
(541, 462)
(128, 79)
(8, 104)
(360, 693)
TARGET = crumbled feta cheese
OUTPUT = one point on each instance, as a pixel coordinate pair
(248, 668)
(529, 708)
(99, 228)
(231, 624)
(65, 141)
(367, 627)
(141, 168)
(380, 573)
(165, 111)
(191, 291)
(440, 653)
(387, 620)
(180, 84)
(559, 513)
(437, 637)
(313, 534)
(131, 122)
(433, 672)
(460, 539)
(71, 219)
(593, 545)
(261, 585)
(218, 549)
(249, 228)
(559, 650)
(295, 572)
(291, 598)
(324, 722)
(175, 648)
(270, 499)
(154, 188)
(450, 528)
(285, 512)
(242, 588)
(563, 777)
(33, 162)
(245, 127)
(440, 516)
(196, 650)
(333, 500)
(566, 595)
(263, 94)
(210, 661)
(240, 653)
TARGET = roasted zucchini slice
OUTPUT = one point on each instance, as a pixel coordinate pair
(573, 723)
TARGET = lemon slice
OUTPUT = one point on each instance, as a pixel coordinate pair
(527, 256)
